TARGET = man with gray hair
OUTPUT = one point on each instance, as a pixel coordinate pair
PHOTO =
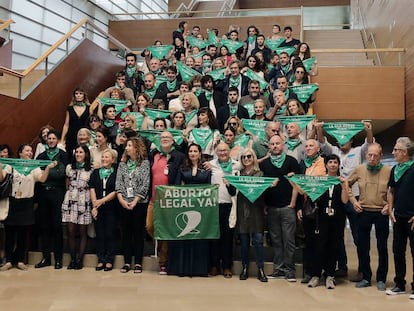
(401, 210)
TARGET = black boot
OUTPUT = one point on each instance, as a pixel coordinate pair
(45, 262)
(72, 263)
(261, 275)
(244, 274)
(79, 263)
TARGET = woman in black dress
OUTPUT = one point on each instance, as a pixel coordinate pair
(190, 257)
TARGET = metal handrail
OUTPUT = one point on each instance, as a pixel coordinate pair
(65, 38)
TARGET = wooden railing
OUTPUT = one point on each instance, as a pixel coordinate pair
(5, 24)
(85, 22)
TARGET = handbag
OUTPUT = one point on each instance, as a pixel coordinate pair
(6, 186)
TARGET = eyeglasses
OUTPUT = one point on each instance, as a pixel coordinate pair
(246, 156)
(93, 120)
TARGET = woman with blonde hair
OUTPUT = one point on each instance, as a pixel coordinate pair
(190, 105)
(133, 189)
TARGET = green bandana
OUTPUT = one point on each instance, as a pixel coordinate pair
(198, 91)
(193, 41)
(190, 115)
(375, 168)
(217, 74)
(250, 186)
(131, 165)
(159, 51)
(293, 143)
(157, 113)
(171, 86)
(212, 38)
(130, 71)
(80, 166)
(314, 186)
(400, 169)
(286, 49)
(235, 81)
(79, 104)
(301, 120)
(233, 109)
(227, 167)
(250, 108)
(241, 140)
(186, 72)
(202, 137)
(151, 92)
(278, 160)
(105, 172)
(308, 63)
(285, 68)
(255, 76)
(256, 127)
(232, 45)
(109, 123)
(251, 39)
(309, 161)
(137, 115)
(208, 94)
(304, 91)
(93, 135)
(273, 44)
(343, 131)
(25, 166)
(52, 153)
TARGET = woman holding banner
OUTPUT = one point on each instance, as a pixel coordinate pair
(132, 187)
(21, 213)
(250, 219)
(190, 257)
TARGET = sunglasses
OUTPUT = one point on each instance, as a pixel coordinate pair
(300, 72)
(233, 123)
(247, 156)
(93, 120)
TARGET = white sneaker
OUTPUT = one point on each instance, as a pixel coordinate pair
(395, 291)
(314, 281)
(330, 282)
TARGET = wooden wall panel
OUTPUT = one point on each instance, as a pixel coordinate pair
(357, 93)
(139, 34)
(248, 4)
(392, 26)
(88, 66)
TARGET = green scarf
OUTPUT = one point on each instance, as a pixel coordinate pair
(235, 81)
(190, 115)
(233, 109)
(109, 123)
(309, 161)
(131, 165)
(278, 160)
(251, 39)
(80, 166)
(171, 85)
(375, 168)
(292, 143)
(285, 68)
(93, 135)
(198, 92)
(130, 71)
(105, 172)
(208, 94)
(150, 93)
(227, 167)
(79, 104)
(401, 168)
(52, 153)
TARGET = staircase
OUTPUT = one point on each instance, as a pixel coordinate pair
(337, 39)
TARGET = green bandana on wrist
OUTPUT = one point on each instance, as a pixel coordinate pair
(309, 161)
(105, 172)
(293, 143)
(227, 167)
(278, 160)
(401, 168)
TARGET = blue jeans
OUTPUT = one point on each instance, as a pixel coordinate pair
(366, 220)
(257, 241)
(282, 228)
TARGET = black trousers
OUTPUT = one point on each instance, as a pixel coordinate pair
(15, 243)
(105, 227)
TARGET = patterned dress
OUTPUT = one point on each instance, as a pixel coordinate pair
(76, 207)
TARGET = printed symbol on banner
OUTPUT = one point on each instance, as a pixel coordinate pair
(188, 222)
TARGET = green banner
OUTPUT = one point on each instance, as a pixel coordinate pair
(186, 72)
(301, 120)
(256, 127)
(231, 45)
(240, 140)
(314, 186)
(119, 104)
(201, 44)
(217, 74)
(186, 212)
(177, 135)
(160, 51)
(273, 44)
(250, 108)
(255, 76)
(154, 136)
(157, 113)
(304, 91)
(198, 55)
(158, 80)
(137, 115)
(252, 187)
(308, 63)
(343, 131)
(212, 38)
(202, 137)
(24, 166)
(286, 49)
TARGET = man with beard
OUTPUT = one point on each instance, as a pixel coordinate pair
(133, 78)
(211, 98)
(254, 93)
(233, 108)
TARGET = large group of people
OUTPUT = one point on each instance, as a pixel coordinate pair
(195, 112)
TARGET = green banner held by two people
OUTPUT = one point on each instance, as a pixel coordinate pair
(160, 51)
(231, 45)
(119, 104)
(250, 186)
(24, 166)
(186, 212)
(256, 127)
(186, 72)
(313, 186)
(343, 131)
(137, 115)
(154, 136)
